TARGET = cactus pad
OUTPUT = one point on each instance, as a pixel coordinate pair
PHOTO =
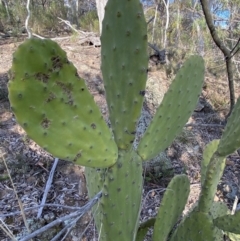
(196, 227)
(52, 103)
(121, 200)
(230, 140)
(207, 154)
(175, 109)
(218, 209)
(229, 223)
(172, 205)
(213, 174)
(124, 66)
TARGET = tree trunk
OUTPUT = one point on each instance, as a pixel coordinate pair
(100, 10)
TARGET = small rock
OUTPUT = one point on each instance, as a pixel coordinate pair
(216, 198)
(226, 188)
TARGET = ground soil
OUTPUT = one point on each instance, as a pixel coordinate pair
(29, 165)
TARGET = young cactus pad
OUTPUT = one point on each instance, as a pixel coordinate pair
(124, 66)
(196, 227)
(172, 205)
(230, 140)
(207, 155)
(229, 223)
(52, 103)
(175, 109)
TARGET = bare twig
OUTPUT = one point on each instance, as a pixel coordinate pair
(150, 20)
(7, 231)
(234, 205)
(48, 186)
(154, 22)
(19, 201)
(38, 206)
(235, 49)
(66, 229)
(79, 213)
(205, 125)
(27, 19)
(68, 24)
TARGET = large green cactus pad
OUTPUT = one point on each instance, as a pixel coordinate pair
(121, 201)
(172, 205)
(229, 223)
(213, 174)
(196, 227)
(175, 109)
(230, 140)
(52, 103)
(124, 66)
(207, 154)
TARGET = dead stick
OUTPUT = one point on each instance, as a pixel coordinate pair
(48, 186)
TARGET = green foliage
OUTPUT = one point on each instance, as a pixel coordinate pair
(89, 21)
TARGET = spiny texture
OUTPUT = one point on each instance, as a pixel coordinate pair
(171, 208)
(207, 155)
(196, 227)
(95, 179)
(229, 223)
(124, 66)
(175, 109)
(53, 105)
(218, 209)
(230, 140)
(120, 205)
(213, 174)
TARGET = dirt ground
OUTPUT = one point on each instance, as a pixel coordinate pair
(29, 165)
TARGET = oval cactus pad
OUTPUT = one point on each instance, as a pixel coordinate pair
(124, 66)
(175, 109)
(53, 105)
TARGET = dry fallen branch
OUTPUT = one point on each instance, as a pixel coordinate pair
(48, 186)
(38, 206)
(205, 125)
(78, 214)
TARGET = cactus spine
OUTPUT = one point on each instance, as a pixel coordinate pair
(53, 105)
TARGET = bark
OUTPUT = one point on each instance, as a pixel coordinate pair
(223, 48)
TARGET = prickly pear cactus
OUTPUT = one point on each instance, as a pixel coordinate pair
(210, 149)
(124, 66)
(197, 226)
(229, 223)
(175, 109)
(174, 200)
(52, 103)
(230, 140)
